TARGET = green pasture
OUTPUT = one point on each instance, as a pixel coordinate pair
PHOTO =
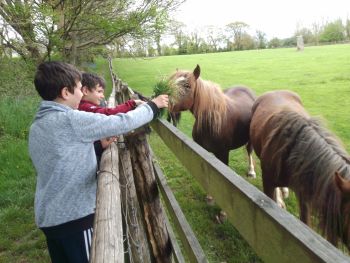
(320, 75)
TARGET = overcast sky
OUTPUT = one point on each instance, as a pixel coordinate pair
(276, 18)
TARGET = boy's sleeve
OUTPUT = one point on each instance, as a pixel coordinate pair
(122, 108)
(90, 127)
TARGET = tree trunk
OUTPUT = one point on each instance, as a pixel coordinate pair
(148, 195)
(138, 246)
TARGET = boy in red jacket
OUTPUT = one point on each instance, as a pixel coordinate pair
(93, 88)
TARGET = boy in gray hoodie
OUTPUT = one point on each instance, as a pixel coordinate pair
(61, 148)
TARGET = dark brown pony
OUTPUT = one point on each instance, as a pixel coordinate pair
(297, 152)
(221, 118)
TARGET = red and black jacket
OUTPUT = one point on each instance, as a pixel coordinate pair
(122, 108)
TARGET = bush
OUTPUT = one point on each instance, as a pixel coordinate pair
(16, 78)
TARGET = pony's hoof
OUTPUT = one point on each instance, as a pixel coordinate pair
(210, 200)
(282, 205)
(251, 174)
(285, 192)
(221, 217)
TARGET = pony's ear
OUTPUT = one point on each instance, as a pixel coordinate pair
(343, 184)
(197, 72)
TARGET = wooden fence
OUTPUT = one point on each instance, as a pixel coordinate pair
(273, 233)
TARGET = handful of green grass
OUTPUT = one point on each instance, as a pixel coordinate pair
(163, 86)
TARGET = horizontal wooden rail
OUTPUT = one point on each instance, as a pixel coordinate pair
(273, 233)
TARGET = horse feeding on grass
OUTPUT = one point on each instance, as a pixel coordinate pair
(222, 118)
(297, 152)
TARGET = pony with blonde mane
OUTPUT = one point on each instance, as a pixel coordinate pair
(222, 118)
(297, 152)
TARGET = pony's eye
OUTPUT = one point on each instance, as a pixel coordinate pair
(187, 86)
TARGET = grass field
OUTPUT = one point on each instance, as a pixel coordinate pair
(320, 75)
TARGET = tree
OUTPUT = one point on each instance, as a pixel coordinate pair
(176, 28)
(275, 42)
(194, 42)
(247, 42)
(347, 28)
(261, 39)
(236, 29)
(316, 32)
(305, 33)
(333, 31)
(39, 28)
(215, 38)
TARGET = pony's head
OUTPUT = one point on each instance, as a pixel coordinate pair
(184, 83)
(344, 225)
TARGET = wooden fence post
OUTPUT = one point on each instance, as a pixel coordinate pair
(138, 245)
(107, 242)
(148, 195)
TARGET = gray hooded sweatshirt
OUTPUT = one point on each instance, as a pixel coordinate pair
(61, 148)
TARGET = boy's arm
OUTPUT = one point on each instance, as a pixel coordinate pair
(122, 108)
(91, 127)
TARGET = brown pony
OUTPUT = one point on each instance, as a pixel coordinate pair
(297, 152)
(221, 118)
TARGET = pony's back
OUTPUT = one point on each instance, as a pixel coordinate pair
(297, 151)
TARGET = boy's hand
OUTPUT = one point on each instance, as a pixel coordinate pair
(107, 141)
(139, 102)
(161, 101)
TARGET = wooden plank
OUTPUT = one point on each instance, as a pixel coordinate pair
(107, 242)
(177, 254)
(273, 233)
(186, 235)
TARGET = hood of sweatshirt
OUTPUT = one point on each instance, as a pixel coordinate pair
(47, 107)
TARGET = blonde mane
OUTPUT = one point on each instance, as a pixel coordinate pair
(210, 106)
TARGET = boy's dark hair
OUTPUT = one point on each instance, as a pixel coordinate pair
(91, 80)
(52, 77)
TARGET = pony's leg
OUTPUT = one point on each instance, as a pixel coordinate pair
(222, 156)
(251, 171)
(285, 192)
(269, 188)
(304, 212)
(278, 197)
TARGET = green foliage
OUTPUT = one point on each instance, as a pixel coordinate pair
(20, 241)
(73, 29)
(17, 127)
(163, 86)
(16, 78)
(333, 32)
